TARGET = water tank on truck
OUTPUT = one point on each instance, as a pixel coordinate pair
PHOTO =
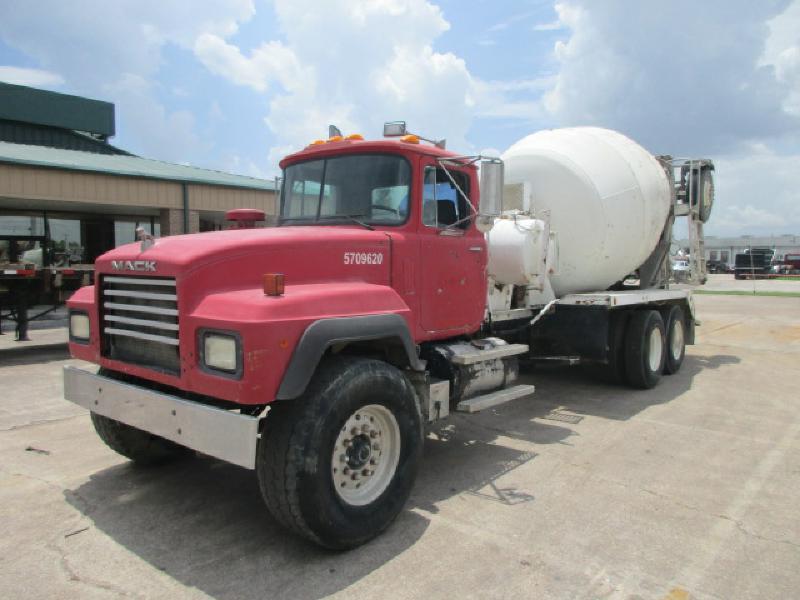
(606, 200)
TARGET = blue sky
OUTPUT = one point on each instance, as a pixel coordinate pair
(236, 84)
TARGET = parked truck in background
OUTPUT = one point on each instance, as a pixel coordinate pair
(754, 263)
(395, 289)
(790, 265)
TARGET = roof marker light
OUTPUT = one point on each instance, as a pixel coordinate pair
(410, 139)
(354, 137)
(335, 138)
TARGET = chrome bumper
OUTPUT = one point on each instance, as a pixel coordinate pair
(219, 433)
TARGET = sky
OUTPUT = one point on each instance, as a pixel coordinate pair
(235, 85)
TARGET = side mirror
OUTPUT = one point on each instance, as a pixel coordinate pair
(492, 170)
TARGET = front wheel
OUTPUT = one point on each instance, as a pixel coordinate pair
(337, 464)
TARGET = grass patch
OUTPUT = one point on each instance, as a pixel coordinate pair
(746, 293)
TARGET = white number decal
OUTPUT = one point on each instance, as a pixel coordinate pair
(363, 258)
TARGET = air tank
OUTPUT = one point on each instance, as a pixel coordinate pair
(606, 198)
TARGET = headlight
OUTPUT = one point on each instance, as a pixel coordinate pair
(79, 327)
(220, 351)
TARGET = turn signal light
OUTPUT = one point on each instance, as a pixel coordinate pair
(273, 284)
(410, 139)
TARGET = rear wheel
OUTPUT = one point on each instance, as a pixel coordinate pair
(337, 464)
(644, 349)
(618, 323)
(676, 340)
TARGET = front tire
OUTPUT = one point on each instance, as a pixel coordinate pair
(644, 349)
(337, 465)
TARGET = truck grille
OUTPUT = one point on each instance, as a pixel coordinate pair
(140, 322)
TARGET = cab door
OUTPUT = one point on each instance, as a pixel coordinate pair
(453, 255)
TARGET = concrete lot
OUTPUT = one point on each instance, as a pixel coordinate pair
(584, 490)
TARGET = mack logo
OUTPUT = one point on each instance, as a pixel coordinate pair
(133, 265)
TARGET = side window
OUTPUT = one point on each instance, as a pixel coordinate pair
(442, 203)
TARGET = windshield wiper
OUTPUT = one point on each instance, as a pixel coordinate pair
(352, 218)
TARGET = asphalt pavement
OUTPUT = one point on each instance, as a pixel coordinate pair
(584, 490)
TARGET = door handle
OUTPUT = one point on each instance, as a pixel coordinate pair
(475, 249)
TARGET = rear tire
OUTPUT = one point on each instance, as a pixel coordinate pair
(676, 340)
(618, 323)
(143, 448)
(309, 441)
(644, 349)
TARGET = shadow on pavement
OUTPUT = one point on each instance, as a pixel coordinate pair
(31, 355)
(580, 391)
(204, 523)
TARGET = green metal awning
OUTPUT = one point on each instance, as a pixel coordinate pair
(130, 166)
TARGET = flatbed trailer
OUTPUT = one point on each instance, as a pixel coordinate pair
(23, 286)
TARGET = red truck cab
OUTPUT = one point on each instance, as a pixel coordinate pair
(379, 252)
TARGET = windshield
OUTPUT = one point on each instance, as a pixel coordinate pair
(373, 188)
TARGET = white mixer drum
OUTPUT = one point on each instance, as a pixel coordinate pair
(607, 198)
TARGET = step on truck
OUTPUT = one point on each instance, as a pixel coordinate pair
(403, 281)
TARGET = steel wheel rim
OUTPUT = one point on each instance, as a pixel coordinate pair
(676, 346)
(365, 456)
(656, 346)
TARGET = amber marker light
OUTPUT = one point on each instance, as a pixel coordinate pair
(273, 284)
(410, 139)
(354, 137)
(335, 138)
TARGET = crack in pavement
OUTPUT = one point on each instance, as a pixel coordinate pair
(42, 422)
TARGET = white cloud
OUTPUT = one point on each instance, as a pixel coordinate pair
(114, 50)
(92, 41)
(355, 64)
(269, 62)
(31, 77)
(782, 51)
(677, 83)
(757, 193)
(706, 78)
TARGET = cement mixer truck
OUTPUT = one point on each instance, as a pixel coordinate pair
(403, 281)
